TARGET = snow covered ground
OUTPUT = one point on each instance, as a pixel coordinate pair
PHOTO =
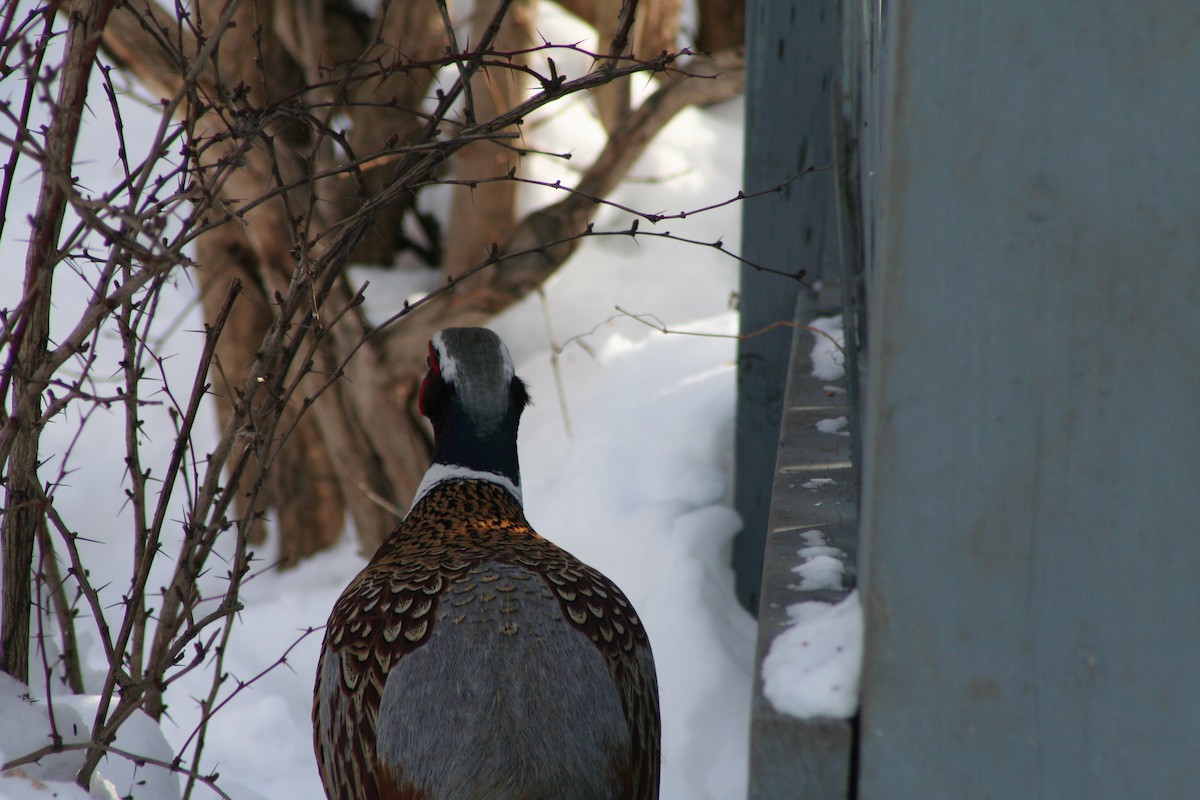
(629, 469)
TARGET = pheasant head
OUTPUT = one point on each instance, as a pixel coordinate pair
(474, 399)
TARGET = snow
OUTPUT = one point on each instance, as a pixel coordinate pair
(827, 357)
(628, 467)
(27, 727)
(834, 426)
(640, 491)
(821, 566)
(812, 668)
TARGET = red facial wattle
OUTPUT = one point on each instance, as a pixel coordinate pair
(435, 370)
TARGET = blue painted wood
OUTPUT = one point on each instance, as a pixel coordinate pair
(1031, 499)
(813, 489)
(791, 54)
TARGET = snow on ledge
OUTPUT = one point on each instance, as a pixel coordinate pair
(834, 426)
(813, 667)
(828, 359)
(822, 567)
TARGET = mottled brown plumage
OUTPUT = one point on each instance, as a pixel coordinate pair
(488, 627)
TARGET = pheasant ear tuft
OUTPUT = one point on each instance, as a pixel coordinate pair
(520, 394)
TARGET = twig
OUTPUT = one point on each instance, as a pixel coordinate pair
(214, 706)
(559, 388)
(64, 611)
(32, 67)
(209, 780)
(652, 321)
(650, 217)
(228, 132)
(620, 40)
(469, 103)
(387, 505)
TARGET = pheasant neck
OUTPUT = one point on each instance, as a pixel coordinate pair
(466, 448)
(440, 473)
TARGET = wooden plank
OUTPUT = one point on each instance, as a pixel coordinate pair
(793, 758)
(1032, 464)
(791, 52)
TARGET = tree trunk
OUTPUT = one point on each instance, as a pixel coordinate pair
(355, 444)
(612, 99)
(655, 30)
(722, 25)
(331, 463)
(484, 215)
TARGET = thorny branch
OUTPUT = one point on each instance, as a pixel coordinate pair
(31, 334)
(233, 155)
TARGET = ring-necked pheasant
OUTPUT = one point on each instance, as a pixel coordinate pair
(472, 659)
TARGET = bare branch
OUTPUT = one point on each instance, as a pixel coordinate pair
(288, 145)
(55, 585)
(209, 780)
(31, 332)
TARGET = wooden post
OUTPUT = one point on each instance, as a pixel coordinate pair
(1031, 499)
(792, 52)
